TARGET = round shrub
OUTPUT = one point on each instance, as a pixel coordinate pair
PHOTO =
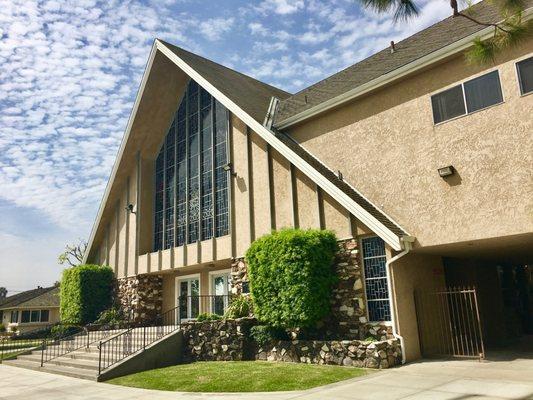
(208, 317)
(291, 276)
(85, 291)
(240, 307)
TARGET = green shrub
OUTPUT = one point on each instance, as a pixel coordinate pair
(112, 316)
(291, 276)
(64, 330)
(240, 307)
(263, 334)
(2, 328)
(208, 317)
(86, 291)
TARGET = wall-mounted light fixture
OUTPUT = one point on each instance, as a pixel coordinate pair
(229, 168)
(129, 208)
(444, 172)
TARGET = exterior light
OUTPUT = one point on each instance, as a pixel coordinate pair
(129, 208)
(229, 168)
(446, 171)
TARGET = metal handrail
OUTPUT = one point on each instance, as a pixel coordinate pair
(11, 346)
(123, 345)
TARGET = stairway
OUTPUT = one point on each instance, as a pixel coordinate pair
(80, 363)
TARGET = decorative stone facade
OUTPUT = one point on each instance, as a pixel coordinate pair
(348, 307)
(383, 354)
(224, 340)
(140, 297)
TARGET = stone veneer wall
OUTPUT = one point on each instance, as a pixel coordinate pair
(140, 297)
(224, 340)
(229, 340)
(348, 306)
(382, 354)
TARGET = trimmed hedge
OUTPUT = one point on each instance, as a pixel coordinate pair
(291, 276)
(85, 291)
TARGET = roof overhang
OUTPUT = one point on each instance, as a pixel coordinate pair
(158, 48)
(385, 79)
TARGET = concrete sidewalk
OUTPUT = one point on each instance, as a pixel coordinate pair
(507, 377)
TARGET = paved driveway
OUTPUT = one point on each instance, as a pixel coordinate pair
(505, 377)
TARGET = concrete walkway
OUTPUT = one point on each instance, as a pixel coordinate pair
(505, 377)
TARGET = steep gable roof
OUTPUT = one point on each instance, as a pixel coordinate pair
(337, 88)
(40, 297)
(252, 95)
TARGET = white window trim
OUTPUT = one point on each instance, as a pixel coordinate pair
(517, 75)
(212, 276)
(177, 290)
(462, 84)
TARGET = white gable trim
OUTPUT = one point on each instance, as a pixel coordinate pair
(359, 212)
(120, 153)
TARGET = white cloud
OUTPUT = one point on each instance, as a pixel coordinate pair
(214, 28)
(282, 7)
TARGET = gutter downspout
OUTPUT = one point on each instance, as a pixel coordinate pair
(407, 241)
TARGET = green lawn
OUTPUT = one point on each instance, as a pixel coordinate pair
(238, 376)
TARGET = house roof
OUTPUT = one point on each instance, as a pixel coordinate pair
(252, 95)
(40, 297)
(423, 43)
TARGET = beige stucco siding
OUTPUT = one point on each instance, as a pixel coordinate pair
(307, 202)
(387, 146)
(261, 186)
(283, 210)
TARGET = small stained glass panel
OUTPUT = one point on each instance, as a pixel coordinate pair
(376, 289)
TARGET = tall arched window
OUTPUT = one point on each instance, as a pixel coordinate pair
(191, 183)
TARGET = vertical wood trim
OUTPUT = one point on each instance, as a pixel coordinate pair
(294, 197)
(250, 183)
(137, 212)
(127, 228)
(117, 236)
(320, 204)
(107, 252)
(352, 225)
(231, 208)
(271, 188)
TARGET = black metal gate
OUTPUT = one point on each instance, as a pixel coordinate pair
(449, 324)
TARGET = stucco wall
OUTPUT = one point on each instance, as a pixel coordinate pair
(387, 146)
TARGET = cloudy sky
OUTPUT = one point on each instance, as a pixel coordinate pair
(69, 71)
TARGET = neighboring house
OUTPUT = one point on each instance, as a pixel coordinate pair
(31, 309)
(213, 159)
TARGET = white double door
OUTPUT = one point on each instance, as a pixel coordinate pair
(188, 297)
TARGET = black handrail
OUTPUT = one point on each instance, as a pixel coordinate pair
(15, 344)
(118, 347)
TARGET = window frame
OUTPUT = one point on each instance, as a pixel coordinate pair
(517, 74)
(364, 279)
(177, 295)
(14, 312)
(227, 144)
(227, 292)
(462, 85)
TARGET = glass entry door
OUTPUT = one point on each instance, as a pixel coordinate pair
(188, 298)
(220, 287)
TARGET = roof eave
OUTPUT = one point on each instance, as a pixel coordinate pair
(396, 74)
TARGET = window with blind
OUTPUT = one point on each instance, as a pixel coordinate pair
(191, 183)
(525, 75)
(468, 97)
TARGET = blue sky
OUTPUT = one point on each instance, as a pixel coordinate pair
(69, 72)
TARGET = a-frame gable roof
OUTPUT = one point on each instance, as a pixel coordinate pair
(249, 99)
(40, 297)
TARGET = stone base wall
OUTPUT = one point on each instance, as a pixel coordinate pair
(383, 354)
(140, 297)
(348, 307)
(224, 340)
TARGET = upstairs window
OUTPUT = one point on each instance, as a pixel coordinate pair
(468, 97)
(524, 69)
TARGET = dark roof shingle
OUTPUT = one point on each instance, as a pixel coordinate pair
(406, 51)
(40, 297)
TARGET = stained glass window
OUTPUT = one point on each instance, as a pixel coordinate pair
(377, 294)
(191, 184)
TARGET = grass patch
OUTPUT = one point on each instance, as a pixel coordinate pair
(238, 376)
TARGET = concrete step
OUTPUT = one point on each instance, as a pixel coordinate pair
(91, 364)
(55, 369)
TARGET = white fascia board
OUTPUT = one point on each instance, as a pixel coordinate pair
(120, 153)
(342, 198)
(422, 62)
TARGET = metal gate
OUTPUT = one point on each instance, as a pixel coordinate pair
(448, 323)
